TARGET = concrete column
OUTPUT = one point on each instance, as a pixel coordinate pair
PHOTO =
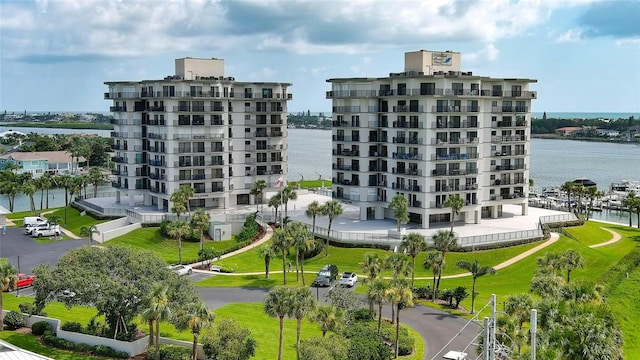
(525, 208)
(132, 199)
(147, 199)
(363, 213)
(494, 212)
(478, 216)
(117, 197)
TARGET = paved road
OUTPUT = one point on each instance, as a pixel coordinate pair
(435, 326)
(16, 246)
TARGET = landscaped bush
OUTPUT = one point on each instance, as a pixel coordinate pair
(232, 248)
(405, 343)
(365, 343)
(106, 351)
(14, 320)
(170, 352)
(38, 328)
(250, 229)
(359, 245)
(229, 268)
(317, 248)
(100, 350)
(94, 327)
(72, 326)
(617, 273)
(193, 236)
(362, 314)
(27, 308)
(422, 292)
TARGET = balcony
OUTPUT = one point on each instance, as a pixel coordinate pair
(157, 163)
(510, 138)
(510, 153)
(504, 124)
(405, 187)
(404, 109)
(342, 94)
(415, 204)
(509, 109)
(346, 152)
(466, 124)
(381, 139)
(116, 185)
(407, 125)
(446, 188)
(345, 138)
(508, 167)
(254, 109)
(117, 108)
(119, 160)
(346, 109)
(156, 190)
(156, 176)
(506, 196)
(406, 156)
(381, 154)
(345, 167)
(458, 172)
(405, 171)
(346, 197)
(348, 182)
(355, 123)
(449, 157)
(458, 141)
(198, 109)
(455, 109)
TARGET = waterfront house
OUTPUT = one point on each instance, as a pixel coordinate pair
(608, 132)
(568, 130)
(39, 162)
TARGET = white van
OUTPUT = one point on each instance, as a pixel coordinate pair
(34, 220)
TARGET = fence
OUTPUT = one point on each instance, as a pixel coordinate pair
(549, 219)
(500, 238)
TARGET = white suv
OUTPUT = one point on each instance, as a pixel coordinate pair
(53, 230)
(42, 226)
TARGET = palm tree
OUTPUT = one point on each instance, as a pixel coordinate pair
(519, 307)
(629, 202)
(194, 317)
(277, 303)
(313, 210)
(301, 242)
(180, 200)
(45, 183)
(29, 188)
(400, 205)
(87, 231)
(274, 202)
(572, 260)
(54, 219)
(281, 243)
(444, 241)
(287, 194)
(456, 203)
(329, 318)
(331, 209)
(157, 311)
(257, 191)
(399, 266)
(201, 221)
(401, 297)
(9, 279)
(302, 304)
(178, 230)
(476, 271)
(435, 262)
(413, 244)
(95, 179)
(378, 289)
(266, 252)
(371, 267)
(568, 187)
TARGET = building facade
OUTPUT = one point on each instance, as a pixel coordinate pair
(198, 128)
(428, 133)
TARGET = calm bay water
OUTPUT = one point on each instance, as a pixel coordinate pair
(553, 162)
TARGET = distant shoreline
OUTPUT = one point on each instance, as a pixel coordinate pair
(601, 140)
(58, 125)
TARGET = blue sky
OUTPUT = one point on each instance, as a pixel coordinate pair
(56, 54)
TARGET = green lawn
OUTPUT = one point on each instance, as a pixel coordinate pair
(311, 184)
(256, 281)
(31, 343)
(21, 214)
(625, 303)
(590, 233)
(75, 221)
(151, 239)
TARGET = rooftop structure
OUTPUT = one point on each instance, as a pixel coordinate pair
(199, 128)
(428, 133)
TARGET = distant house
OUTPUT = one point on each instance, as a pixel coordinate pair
(608, 132)
(37, 163)
(568, 131)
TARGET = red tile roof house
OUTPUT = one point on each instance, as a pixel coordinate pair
(569, 130)
(39, 162)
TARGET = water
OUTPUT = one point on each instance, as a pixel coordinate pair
(49, 131)
(589, 115)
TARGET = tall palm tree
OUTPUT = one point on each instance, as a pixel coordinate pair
(277, 303)
(444, 241)
(572, 260)
(313, 210)
(329, 318)
(302, 303)
(399, 266)
(435, 262)
(519, 307)
(201, 221)
(286, 195)
(456, 203)
(9, 279)
(400, 206)
(96, 179)
(371, 267)
(258, 191)
(301, 242)
(476, 271)
(180, 199)
(266, 252)
(157, 311)
(401, 297)
(568, 187)
(413, 244)
(331, 209)
(45, 183)
(281, 242)
(274, 202)
(29, 188)
(629, 202)
(194, 317)
(178, 230)
(378, 289)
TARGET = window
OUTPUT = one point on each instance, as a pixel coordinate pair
(427, 88)
(248, 93)
(198, 147)
(183, 119)
(457, 88)
(184, 147)
(267, 93)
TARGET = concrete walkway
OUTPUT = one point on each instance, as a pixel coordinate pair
(615, 237)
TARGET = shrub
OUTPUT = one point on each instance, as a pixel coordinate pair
(94, 327)
(362, 314)
(27, 308)
(170, 352)
(230, 268)
(106, 351)
(39, 328)
(250, 229)
(72, 326)
(14, 320)
(422, 292)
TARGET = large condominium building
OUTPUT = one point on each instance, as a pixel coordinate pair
(428, 133)
(198, 128)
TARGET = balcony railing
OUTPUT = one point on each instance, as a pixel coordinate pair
(509, 109)
(346, 152)
(510, 153)
(403, 109)
(502, 124)
(506, 196)
(406, 156)
(447, 157)
(455, 109)
(510, 138)
(345, 167)
(458, 141)
(508, 167)
(445, 188)
(405, 171)
(405, 187)
(459, 172)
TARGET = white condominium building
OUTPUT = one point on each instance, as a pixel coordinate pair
(428, 133)
(198, 128)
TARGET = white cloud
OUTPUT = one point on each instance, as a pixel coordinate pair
(489, 52)
(569, 36)
(626, 42)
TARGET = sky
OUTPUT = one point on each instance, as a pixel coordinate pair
(57, 54)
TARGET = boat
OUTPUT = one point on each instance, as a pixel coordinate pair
(584, 182)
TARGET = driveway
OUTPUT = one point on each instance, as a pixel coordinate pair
(25, 254)
(435, 326)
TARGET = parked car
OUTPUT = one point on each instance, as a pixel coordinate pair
(33, 220)
(326, 276)
(349, 279)
(25, 280)
(49, 231)
(181, 269)
(41, 226)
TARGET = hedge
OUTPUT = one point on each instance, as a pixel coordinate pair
(100, 350)
(617, 273)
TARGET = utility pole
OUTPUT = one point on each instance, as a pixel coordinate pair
(492, 349)
(534, 330)
(486, 339)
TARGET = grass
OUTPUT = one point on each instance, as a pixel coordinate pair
(151, 239)
(311, 184)
(75, 221)
(255, 281)
(31, 343)
(590, 233)
(21, 214)
(625, 303)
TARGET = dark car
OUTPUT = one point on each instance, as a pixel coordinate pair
(326, 276)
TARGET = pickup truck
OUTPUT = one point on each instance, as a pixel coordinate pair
(53, 230)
